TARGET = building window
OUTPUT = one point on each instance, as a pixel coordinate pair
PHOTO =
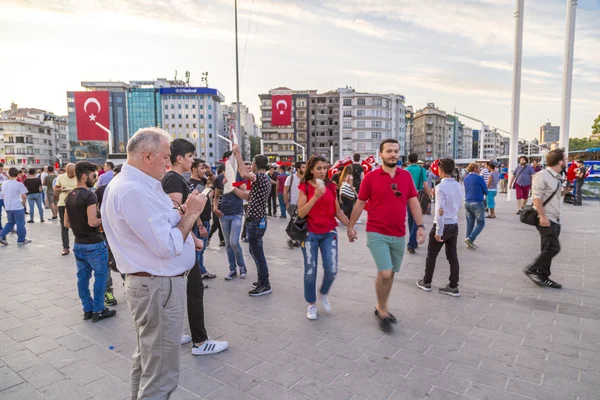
(347, 102)
(360, 124)
(187, 116)
(360, 135)
(186, 106)
(209, 126)
(347, 125)
(375, 124)
(201, 107)
(193, 106)
(166, 106)
(347, 113)
(194, 126)
(361, 102)
(179, 116)
(378, 102)
(376, 135)
(179, 106)
(172, 106)
(209, 116)
(193, 116)
(210, 107)
(360, 113)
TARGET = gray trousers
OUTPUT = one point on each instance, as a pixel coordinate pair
(157, 305)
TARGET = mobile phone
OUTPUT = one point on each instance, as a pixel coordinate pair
(206, 191)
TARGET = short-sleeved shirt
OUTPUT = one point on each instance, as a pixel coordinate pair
(544, 184)
(65, 182)
(418, 174)
(524, 174)
(495, 180)
(259, 195)
(230, 204)
(12, 191)
(33, 185)
(48, 180)
(281, 178)
(582, 170)
(321, 217)
(3, 178)
(206, 214)
(172, 182)
(77, 203)
(292, 182)
(387, 212)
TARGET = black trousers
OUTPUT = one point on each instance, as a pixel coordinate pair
(64, 232)
(347, 206)
(216, 226)
(273, 201)
(245, 221)
(578, 192)
(195, 304)
(449, 238)
(550, 247)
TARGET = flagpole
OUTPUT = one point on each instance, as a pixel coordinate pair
(237, 74)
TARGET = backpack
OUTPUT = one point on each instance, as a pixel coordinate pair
(357, 171)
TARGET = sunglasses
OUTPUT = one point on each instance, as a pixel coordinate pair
(396, 191)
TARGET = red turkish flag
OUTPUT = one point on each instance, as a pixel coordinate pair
(366, 166)
(281, 112)
(370, 160)
(435, 167)
(92, 109)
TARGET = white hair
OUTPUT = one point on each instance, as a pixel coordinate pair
(146, 139)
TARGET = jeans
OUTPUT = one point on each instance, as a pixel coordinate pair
(272, 201)
(33, 199)
(1, 206)
(412, 229)
(64, 232)
(255, 243)
(232, 226)
(195, 304)
(449, 238)
(281, 205)
(91, 257)
(347, 206)
(216, 226)
(475, 214)
(328, 244)
(200, 254)
(15, 217)
(550, 248)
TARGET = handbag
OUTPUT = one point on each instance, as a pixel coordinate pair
(424, 199)
(297, 228)
(347, 192)
(529, 215)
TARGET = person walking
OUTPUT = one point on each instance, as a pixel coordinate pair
(281, 178)
(15, 194)
(91, 253)
(521, 182)
(230, 212)
(216, 223)
(64, 184)
(444, 232)
(48, 183)
(579, 181)
(43, 175)
(272, 174)
(291, 194)
(34, 195)
(420, 181)
(317, 203)
(152, 244)
(492, 188)
(347, 191)
(475, 190)
(358, 173)
(3, 178)
(108, 174)
(548, 191)
(390, 192)
(503, 178)
(485, 174)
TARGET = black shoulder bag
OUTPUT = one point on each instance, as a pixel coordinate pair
(297, 228)
(424, 199)
(529, 215)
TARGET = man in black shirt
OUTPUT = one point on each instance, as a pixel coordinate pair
(178, 189)
(257, 219)
(580, 178)
(198, 181)
(91, 254)
(272, 175)
(34, 195)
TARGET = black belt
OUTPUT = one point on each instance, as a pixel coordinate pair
(158, 276)
(253, 219)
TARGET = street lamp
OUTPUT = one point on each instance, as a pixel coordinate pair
(227, 140)
(303, 150)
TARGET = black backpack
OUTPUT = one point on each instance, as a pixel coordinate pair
(357, 171)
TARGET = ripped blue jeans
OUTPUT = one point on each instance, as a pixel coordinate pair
(328, 243)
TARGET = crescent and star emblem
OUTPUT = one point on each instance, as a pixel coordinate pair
(281, 112)
(96, 102)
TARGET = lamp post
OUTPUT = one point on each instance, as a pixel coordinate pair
(227, 140)
(516, 95)
(567, 76)
(303, 151)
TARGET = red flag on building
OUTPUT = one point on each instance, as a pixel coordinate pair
(281, 111)
(92, 111)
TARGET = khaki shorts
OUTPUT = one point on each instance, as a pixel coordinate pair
(50, 198)
(387, 251)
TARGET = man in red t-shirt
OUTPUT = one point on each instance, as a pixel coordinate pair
(388, 190)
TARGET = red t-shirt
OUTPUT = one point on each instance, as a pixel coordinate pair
(281, 178)
(321, 218)
(387, 212)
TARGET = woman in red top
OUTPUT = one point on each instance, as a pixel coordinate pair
(317, 202)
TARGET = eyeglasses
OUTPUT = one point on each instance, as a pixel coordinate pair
(177, 206)
(395, 189)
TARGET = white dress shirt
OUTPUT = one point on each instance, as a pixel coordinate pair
(140, 225)
(448, 197)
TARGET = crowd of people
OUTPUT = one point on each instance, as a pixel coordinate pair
(150, 219)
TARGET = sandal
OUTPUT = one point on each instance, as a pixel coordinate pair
(65, 252)
(390, 316)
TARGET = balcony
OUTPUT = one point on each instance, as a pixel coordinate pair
(429, 139)
(429, 121)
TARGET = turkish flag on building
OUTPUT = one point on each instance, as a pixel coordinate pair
(92, 112)
(281, 114)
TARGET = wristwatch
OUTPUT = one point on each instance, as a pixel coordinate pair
(421, 226)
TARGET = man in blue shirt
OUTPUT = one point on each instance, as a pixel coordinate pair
(419, 176)
(475, 189)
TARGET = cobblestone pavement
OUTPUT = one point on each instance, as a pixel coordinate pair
(504, 338)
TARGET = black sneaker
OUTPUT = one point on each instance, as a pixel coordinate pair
(549, 283)
(425, 286)
(208, 275)
(255, 284)
(87, 315)
(106, 313)
(410, 250)
(109, 299)
(3, 241)
(260, 291)
(230, 275)
(221, 244)
(30, 221)
(449, 291)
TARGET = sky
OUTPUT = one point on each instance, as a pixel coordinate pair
(457, 54)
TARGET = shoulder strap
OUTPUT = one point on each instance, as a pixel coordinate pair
(550, 198)
(420, 177)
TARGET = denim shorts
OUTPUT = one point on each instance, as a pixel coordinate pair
(387, 251)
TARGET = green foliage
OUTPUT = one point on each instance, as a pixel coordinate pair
(582, 144)
(254, 146)
(596, 126)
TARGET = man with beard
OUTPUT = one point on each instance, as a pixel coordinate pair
(389, 190)
(91, 253)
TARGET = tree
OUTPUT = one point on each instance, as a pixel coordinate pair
(596, 127)
(582, 144)
(254, 146)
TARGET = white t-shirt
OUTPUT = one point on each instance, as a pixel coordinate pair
(3, 178)
(293, 188)
(12, 191)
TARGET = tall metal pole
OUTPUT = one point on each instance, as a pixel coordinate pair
(237, 76)
(481, 141)
(565, 119)
(516, 96)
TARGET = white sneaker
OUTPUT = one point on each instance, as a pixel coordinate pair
(311, 313)
(209, 347)
(185, 339)
(325, 303)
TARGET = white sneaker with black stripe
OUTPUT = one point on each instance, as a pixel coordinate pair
(209, 347)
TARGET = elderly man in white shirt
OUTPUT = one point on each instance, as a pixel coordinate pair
(153, 247)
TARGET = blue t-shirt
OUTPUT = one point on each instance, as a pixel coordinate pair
(418, 174)
(475, 188)
(524, 175)
(230, 203)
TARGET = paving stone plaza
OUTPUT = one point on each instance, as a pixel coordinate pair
(504, 338)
